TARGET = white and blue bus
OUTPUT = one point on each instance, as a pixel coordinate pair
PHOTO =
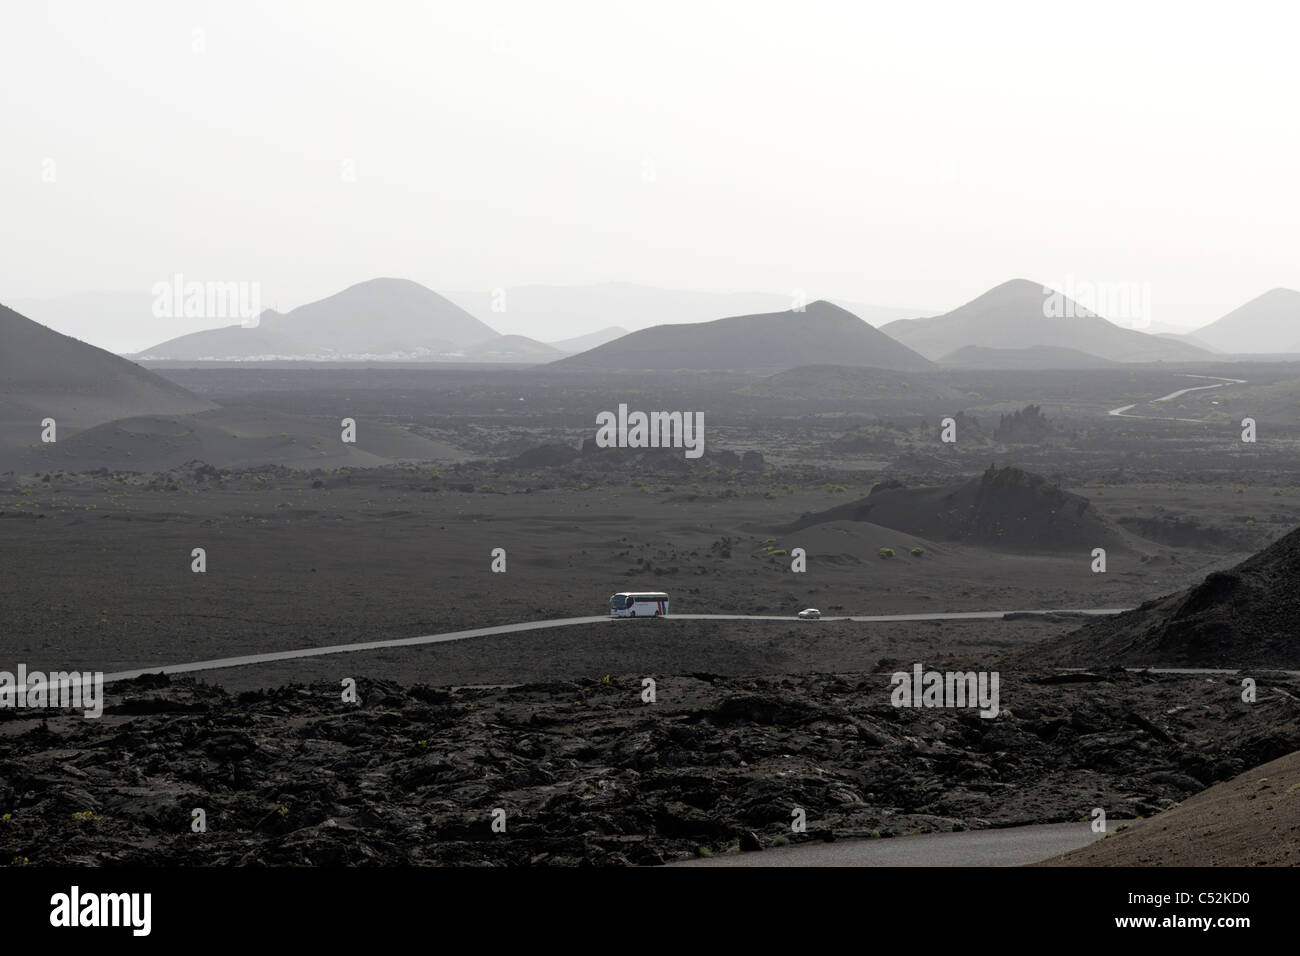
(638, 604)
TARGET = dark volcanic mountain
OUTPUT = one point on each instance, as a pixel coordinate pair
(380, 319)
(1247, 616)
(1011, 316)
(823, 333)
(45, 374)
(1268, 323)
(1003, 508)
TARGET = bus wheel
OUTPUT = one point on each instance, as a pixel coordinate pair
(633, 614)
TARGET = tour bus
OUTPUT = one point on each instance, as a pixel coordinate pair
(638, 604)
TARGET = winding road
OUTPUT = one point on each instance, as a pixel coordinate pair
(1219, 382)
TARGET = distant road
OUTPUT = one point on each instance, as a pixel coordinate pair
(248, 660)
(1010, 846)
(1122, 411)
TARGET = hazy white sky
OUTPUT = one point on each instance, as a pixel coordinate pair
(901, 154)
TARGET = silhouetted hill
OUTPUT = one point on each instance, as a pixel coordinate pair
(823, 333)
(1267, 323)
(46, 374)
(380, 319)
(1246, 616)
(1012, 316)
(1003, 508)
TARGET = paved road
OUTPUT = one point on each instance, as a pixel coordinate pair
(248, 660)
(1122, 411)
(1012, 846)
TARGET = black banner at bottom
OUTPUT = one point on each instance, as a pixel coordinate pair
(333, 905)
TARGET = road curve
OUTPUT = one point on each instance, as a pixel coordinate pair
(1219, 382)
(247, 660)
(1010, 846)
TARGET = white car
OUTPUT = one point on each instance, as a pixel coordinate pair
(810, 614)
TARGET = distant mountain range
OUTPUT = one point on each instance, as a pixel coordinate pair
(570, 310)
(1015, 315)
(390, 319)
(821, 333)
(400, 320)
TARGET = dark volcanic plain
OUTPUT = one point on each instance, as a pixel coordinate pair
(752, 717)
